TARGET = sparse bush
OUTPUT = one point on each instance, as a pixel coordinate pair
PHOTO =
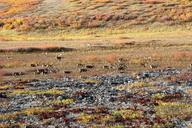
(8, 26)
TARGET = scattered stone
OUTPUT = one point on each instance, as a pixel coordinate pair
(83, 70)
(1, 66)
(152, 66)
(3, 95)
(51, 126)
(120, 60)
(80, 65)
(121, 68)
(189, 83)
(106, 67)
(59, 57)
(67, 72)
(34, 65)
(61, 97)
(89, 66)
(18, 73)
(1, 24)
(190, 66)
(42, 71)
(144, 64)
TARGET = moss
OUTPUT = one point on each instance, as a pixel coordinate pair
(37, 92)
(174, 110)
(164, 125)
(86, 118)
(11, 125)
(29, 111)
(9, 115)
(128, 114)
(36, 110)
(134, 85)
(65, 101)
(158, 95)
(117, 126)
(5, 87)
(107, 118)
(3, 91)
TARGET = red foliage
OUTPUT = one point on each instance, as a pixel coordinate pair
(183, 55)
(172, 97)
(184, 77)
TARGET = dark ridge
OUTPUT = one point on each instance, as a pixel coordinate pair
(34, 49)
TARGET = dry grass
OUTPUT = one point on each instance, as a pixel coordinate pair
(169, 50)
(110, 58)
(1, 74)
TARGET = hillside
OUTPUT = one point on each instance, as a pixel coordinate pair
(33, 15)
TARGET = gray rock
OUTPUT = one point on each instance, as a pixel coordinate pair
(189, 83)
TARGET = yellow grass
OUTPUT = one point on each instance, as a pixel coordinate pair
(97, 33)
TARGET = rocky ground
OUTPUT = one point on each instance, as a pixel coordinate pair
(159, 98)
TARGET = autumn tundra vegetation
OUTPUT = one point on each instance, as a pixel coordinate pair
(95, 63)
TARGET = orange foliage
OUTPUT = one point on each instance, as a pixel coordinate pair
(17, 6)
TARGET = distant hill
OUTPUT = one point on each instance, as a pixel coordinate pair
(30, 15)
